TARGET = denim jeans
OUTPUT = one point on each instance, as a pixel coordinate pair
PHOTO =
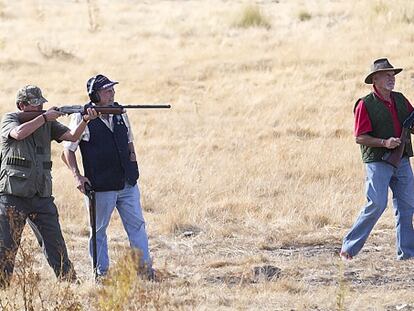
(380, 176)
(127, 202)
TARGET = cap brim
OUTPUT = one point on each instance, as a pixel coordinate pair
(368, 79)
(38, 101)
(109, 85)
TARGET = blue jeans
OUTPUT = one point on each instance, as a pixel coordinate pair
(127, 202)
(380, 176)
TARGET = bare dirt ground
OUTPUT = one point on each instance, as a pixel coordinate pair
(237, 265)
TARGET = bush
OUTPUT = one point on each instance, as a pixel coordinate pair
(123, 287)
(27, 290)
(251, 16)
(304, 16)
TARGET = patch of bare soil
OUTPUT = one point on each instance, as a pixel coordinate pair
(240, 264)
(375, 266)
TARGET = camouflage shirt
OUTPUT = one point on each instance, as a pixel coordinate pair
(26, 164)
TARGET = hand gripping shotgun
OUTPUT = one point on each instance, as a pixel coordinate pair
(394, 156)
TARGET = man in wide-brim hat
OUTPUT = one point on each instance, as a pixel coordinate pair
(377, 128)
(381, 65)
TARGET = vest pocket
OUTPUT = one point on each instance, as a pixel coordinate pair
(16, 182)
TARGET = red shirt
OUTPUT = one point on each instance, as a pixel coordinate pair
(362, 123)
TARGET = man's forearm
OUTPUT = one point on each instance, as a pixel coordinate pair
(75, 134)
(79, 129)
(370, 141)
(26, 129)
(70, 161)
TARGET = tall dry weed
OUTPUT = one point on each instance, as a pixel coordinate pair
(94, 15)
(124, 286)
(39, 10)
(49, 50)
(382, 13)
(26, 291)
(342, 288)
(2, 9)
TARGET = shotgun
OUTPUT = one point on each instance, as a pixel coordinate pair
(394, 156)
(90, 193)
(25, 116)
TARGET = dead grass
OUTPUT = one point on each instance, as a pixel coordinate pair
(28, 291)
(254, 164)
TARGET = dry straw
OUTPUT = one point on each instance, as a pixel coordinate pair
(255, 162)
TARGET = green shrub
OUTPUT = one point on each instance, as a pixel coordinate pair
(380, 8)
(304, 16)
(251, 16)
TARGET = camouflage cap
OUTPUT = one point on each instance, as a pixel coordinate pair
(30, 94)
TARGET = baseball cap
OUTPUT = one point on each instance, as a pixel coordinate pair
(99, 82)
(30, 94)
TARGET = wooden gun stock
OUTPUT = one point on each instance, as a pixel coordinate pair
(109, 110)
(394, 156)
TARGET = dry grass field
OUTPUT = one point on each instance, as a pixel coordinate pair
(251, 180)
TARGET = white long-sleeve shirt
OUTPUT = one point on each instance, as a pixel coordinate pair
(76, 118)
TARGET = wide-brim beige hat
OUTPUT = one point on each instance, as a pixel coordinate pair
(381, 64)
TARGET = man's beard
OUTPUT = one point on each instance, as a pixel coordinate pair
(389, 86)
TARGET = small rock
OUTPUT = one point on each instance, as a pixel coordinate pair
(188, 233)
(267, 271)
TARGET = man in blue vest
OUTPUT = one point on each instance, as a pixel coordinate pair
(378, 126)
(110, 167)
